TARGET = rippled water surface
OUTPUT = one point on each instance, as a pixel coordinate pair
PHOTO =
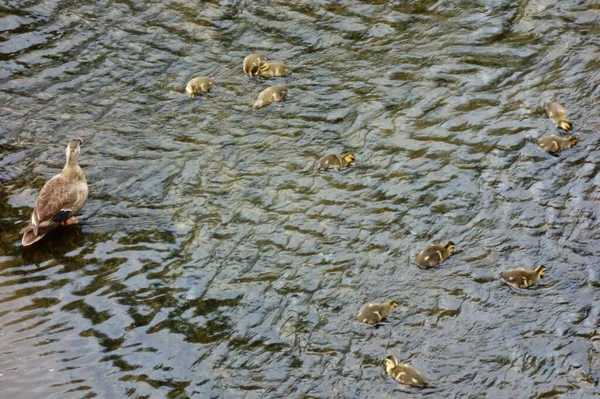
(211, 262)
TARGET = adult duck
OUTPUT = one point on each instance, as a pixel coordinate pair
(60, 199)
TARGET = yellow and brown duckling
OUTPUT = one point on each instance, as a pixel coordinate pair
(199, 85)
(274, 69)
(335, 161)
(253, 63)
(523, 278)
(404, 373)
(434, 254)
(373, 313)
(60, 199)
(554, 143)
(270, 95)
(558, 114)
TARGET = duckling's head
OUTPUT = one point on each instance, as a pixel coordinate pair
(349, 159)
(540, 270)
(192, 88)
(73, 150)
(258, 104)
(390, 363)
(394, 304)
(566, 125)
(449, 247)
(572, 140)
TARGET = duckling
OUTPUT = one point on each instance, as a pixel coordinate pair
(335, 161)
(523, 278)
(554, 143)
(199, 85)
(404, 373)
(60, 199)
(270, 95)
(273, 69)
(558, 114)
(253, 63)
(432, 255)
(373, 313)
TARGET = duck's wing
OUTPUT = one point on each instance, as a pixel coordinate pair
(53, 206)
(409, 375)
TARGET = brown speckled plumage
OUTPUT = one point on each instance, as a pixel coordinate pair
(274, 69)
(60, 199)
(554, 143)
(558, 114)
(434, 254)
(270, 95)
(523, 278)
(375, 312)
(404, 373)
(335, 161)
(253, 63)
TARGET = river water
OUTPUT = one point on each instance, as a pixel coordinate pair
(211, 262)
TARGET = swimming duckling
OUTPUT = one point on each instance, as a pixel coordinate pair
(375, 312)
(253, 63)
(554, 143)
(199, 85)
(558, 114)
(335, 161)
(434, 254)
(273, 69)
(404, 373)
(270, 95)
(60, 199)
(523, 278)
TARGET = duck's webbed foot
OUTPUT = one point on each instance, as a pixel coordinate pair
(70, 221)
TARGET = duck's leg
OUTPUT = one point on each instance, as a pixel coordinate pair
(70, 221)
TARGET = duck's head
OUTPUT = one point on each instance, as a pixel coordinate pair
(565, 125)
(390, 363)
(449, 247)
(572, 140)
(349, 159)
(258, 104)
(192, 88)
(393, 304)
(540, 270)
(73, 150)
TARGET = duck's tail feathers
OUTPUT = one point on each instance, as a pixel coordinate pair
(29, 237)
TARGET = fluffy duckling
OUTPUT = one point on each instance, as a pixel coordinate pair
(201, 84)
(373, 313)
(60, 199)
(253, 63)
(270, 95)
(274, 69)
(523, 278)
(434, 254)
(335, 161)
(558, 114)
(554, 143)
(404, 373)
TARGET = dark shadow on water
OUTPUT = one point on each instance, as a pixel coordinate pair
(54, 245)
